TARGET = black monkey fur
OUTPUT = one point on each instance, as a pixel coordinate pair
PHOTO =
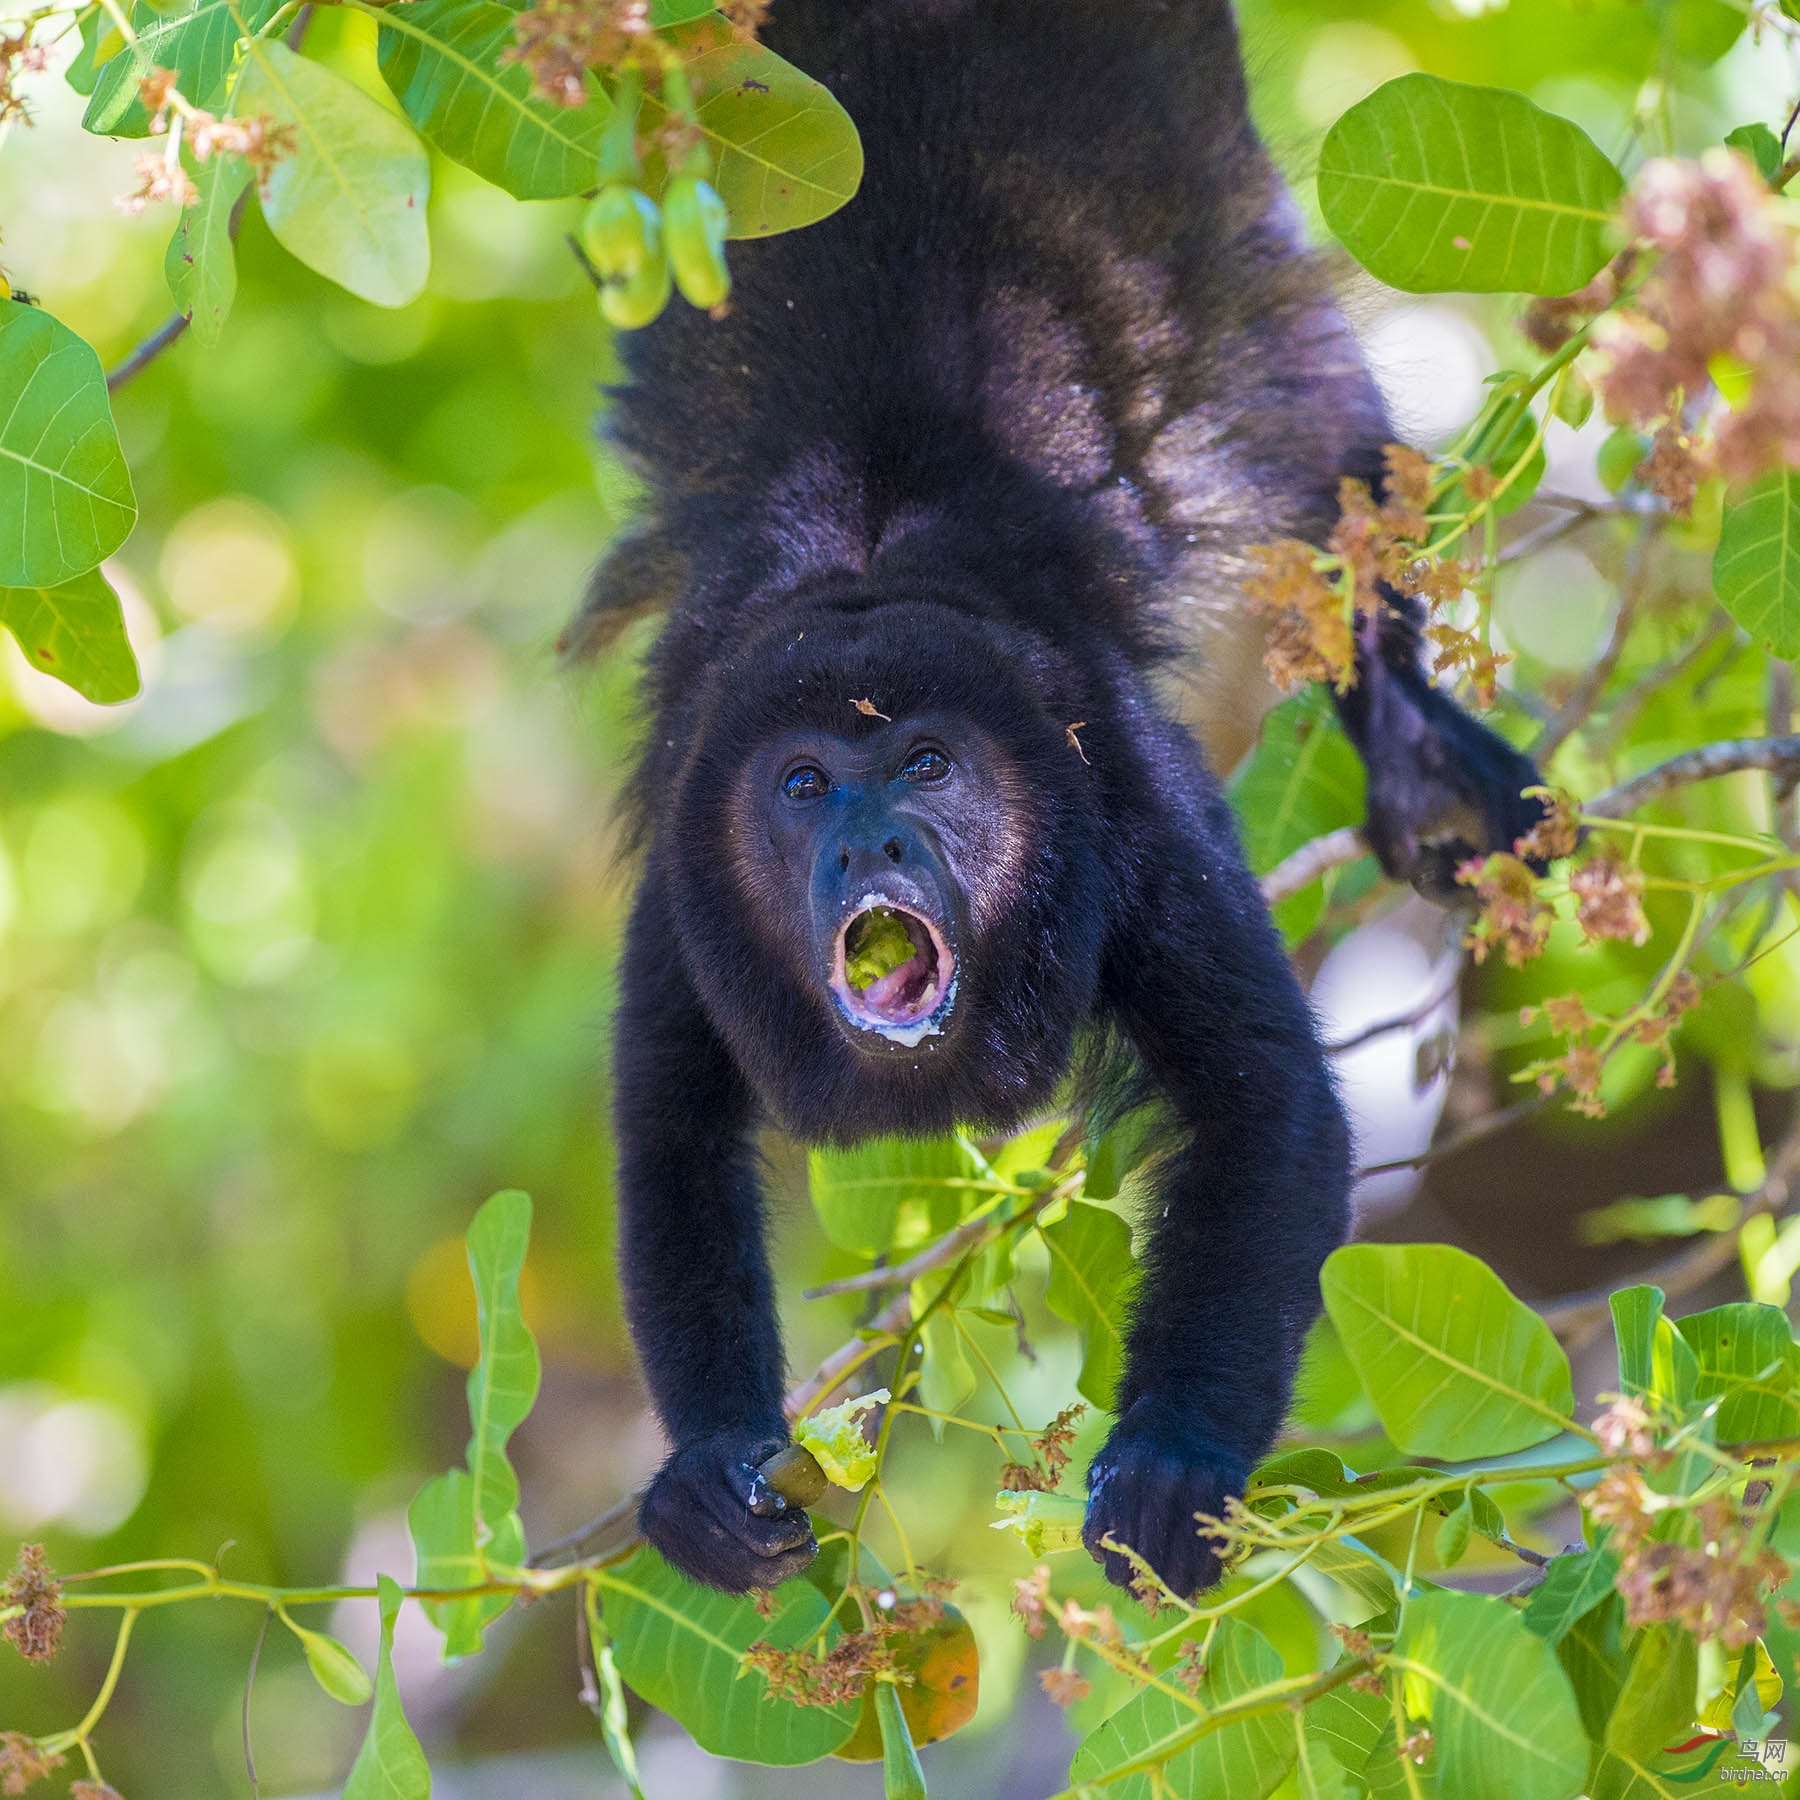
(968, 465)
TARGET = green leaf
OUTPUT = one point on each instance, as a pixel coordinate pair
(1318, 1775)
(65, 493)
(390, 1765)
(1593, 1659)
(615, 1722)
(101, 41)
(1756, 568)
(1747, 1353)
(1303, 779)
(786, 152)
(1572, 1586)
(76, 632)
(1622, 1778)
(679, 1646)
(1455, 1365)
(1348, 1723)
(1453, 1535)
(465, 1523)
(199, 43)
(1761, 145)
(946, 1375)
(1434, 185)
(1656, 1705)
(1501, 1708)
(1091, 1278)
(201, 264)
(858, 1193)
(1243, 1759)
(350, 201)
(1368, 1576)
(334, 1668)
(1655, 1360)
(443, 59)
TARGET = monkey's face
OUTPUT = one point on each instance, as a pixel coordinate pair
(888, 843)
(878, 849)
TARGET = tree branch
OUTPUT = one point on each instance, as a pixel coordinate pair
(170, 332)
(1311, 861)
(1779, 756)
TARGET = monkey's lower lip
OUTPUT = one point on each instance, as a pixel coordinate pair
(911, 999)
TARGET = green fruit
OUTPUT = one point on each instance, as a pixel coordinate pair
(621, 232)
(627, 304)
(694, 221)
(622, 235)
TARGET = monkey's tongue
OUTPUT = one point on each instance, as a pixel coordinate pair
(904, 992)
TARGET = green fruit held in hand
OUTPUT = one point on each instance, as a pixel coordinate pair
(694, 222)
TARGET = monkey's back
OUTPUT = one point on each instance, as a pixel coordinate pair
(1070, 250)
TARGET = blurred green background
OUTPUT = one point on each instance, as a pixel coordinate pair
(309, 949)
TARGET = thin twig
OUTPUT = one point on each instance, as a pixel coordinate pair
(249, 1689)
(1658, 680)
(170, 332)
(1778, 756)
(934, 1256)
(1484, 1127)
(1399, 1021)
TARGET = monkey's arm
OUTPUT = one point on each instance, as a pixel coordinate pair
(1244, 1211)
(696, 1276)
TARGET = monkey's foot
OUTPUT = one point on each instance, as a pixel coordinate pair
(713, 1516)
(1149, 1480)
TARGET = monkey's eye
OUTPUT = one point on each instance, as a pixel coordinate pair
(806, 783)
(926, 766)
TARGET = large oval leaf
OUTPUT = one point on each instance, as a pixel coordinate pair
(858, 1193)
(1747, 1353)
(197, 42)
(1435, 185)
(1502, 1712)
(1456, 1366)
(65, 493)
(75, 632)
(350, 201)
(679, 1646)
(1240, 1760)
(442, 58)
(786, 151)
(1756, 568)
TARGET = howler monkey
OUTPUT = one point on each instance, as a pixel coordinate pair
(944, 514)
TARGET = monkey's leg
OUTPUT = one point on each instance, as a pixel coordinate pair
(1242, 1214)
(1442, 786)
(696, 1276)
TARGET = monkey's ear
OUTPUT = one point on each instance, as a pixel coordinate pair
(641, 574)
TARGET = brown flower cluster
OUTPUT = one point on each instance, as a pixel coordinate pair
(1065, 1686)
(1052, 1446)
(23, 1762)
(1723, 285)
(160, 175)
(1717, 1589)
(845, 1669)
(18, 56)
(1556, 834)
(560, 40)
(1609, 901)
(1316, 599)
(1513, 918)
(37, 1630)
(1031, 1600)
(1625, 1428)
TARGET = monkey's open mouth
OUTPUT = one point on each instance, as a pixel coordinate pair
(892, 971)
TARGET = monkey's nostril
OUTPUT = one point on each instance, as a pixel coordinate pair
(892, 851)
(843, 861)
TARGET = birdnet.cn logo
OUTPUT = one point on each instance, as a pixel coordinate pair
(1734, 1761)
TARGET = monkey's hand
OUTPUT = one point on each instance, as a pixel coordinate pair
(1150, 1478)
(1442, 788)
(714, 1517)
